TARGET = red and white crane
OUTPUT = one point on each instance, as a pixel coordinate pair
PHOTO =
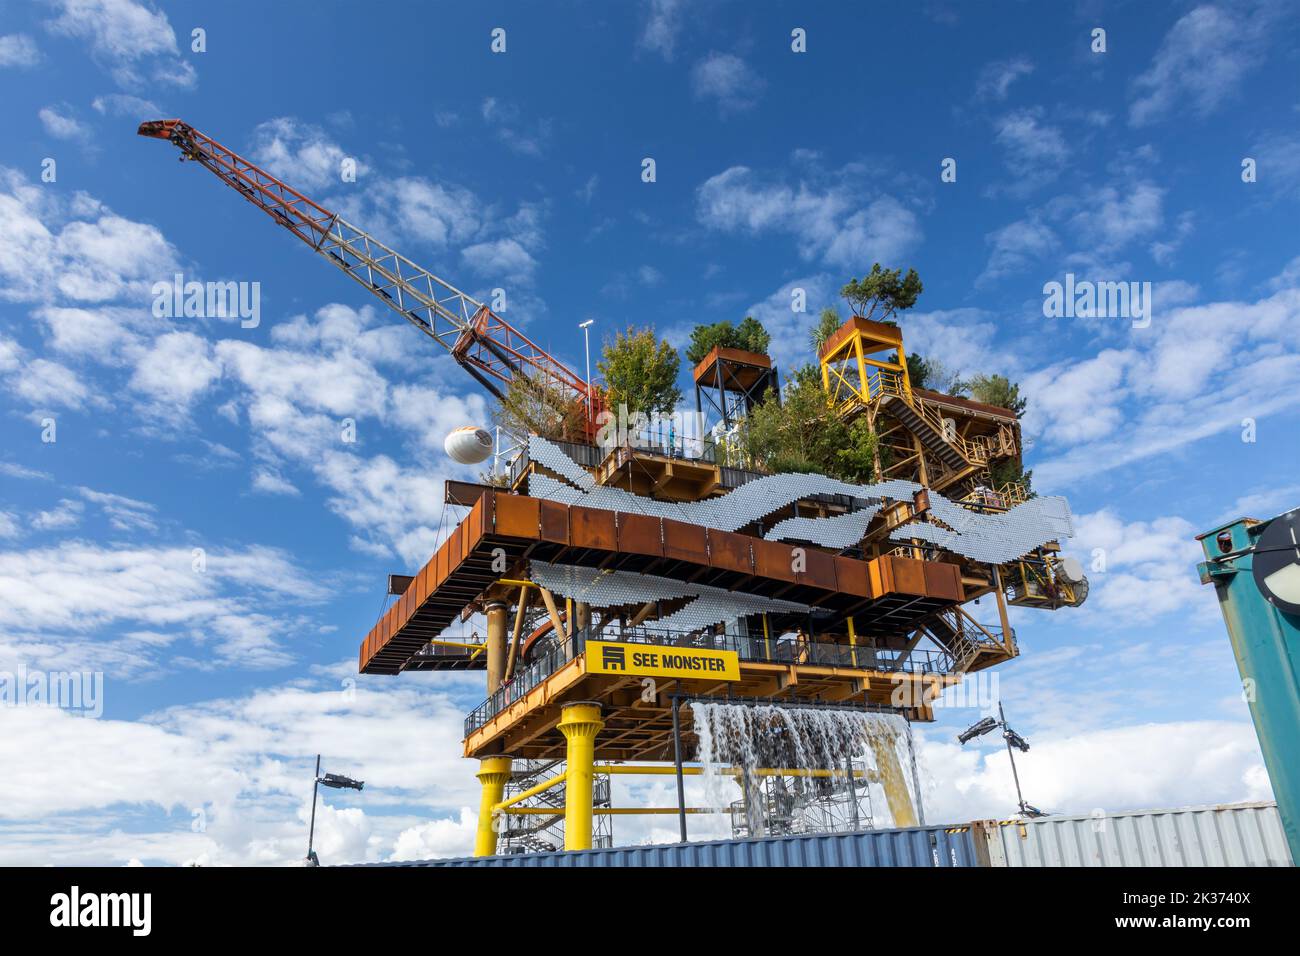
(486, 345)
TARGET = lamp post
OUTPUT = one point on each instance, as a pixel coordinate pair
(336, 781)
(1014, 742)
(586, 345)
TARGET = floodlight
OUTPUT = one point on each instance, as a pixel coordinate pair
(977, 730)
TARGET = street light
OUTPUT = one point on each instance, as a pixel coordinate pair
(1014, 742)
(338, 782)
(586, 345)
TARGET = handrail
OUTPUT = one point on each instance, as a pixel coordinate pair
(777, 650)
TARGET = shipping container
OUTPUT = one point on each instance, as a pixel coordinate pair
(1244, 834)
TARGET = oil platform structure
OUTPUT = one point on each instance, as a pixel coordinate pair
(629, 585)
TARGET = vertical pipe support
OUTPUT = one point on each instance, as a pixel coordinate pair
(493, 774)
(496, 645)
(580, 722)
(677, 764)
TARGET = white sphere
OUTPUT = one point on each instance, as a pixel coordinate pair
(468, 444)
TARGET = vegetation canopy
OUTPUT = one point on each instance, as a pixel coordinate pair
(749, 335)
(882, 292)
(640, 371)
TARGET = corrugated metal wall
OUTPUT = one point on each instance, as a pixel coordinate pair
(1248, 834)
(1245, 834)
(921, 846)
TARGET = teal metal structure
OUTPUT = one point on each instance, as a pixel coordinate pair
(1266, 643)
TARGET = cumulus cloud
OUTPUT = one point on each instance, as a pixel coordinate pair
(1202, 62)
(662, 26)
(301, 154)
(727, 80)
(134, 41)
(18, 50)
(60, 124)
(995, 79)
(830, 219)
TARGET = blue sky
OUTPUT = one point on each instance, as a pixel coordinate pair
(521, 170)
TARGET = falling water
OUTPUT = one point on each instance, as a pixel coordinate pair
(753, 736)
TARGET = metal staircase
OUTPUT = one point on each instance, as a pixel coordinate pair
(972, 645)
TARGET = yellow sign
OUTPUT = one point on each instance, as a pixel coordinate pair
(654, 660)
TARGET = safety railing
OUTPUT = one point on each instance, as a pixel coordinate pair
(784, 649)
(1002, 498)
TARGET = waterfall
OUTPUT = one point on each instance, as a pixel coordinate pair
(736, 741)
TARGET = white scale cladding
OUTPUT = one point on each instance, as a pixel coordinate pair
(612, 588)
(991, 538)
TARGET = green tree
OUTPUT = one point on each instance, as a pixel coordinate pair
(931, 374)
(541, 407)
(997, 390)
(749, 335)
(640, 372)
(802, 433)
(882, 292)
(827, 324)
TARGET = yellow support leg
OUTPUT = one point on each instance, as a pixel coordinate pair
(580, 723)
(493, 774)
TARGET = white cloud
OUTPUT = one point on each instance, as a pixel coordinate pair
(729, 80)
(66, 514)
(500, 259)
(61, 125)
(1099, 221)
(123, 513)
(662, 26)
(1201, 63)
(19, 50)
(1035, 152)
(415, 208)
(73, 247)
(10, 527)
(270, 482)
(46, 384)
(177, 368)
(1147, 766)
(133, 40)
(123, 104)
(1140, 570)
(995, 79)
(114, 608)
(527, 139)
(301, 154)
(834, 221)
(231, 771)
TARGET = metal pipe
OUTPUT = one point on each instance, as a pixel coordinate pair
(531, 792)
(611, 811)
(677, 762)
(315, 788)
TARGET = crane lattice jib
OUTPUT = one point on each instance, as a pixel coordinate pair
(488, 347)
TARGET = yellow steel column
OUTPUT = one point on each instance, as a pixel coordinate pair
(493, 774)
(496, 645)
(580, 723)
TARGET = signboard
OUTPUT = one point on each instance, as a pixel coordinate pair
(654, 660)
